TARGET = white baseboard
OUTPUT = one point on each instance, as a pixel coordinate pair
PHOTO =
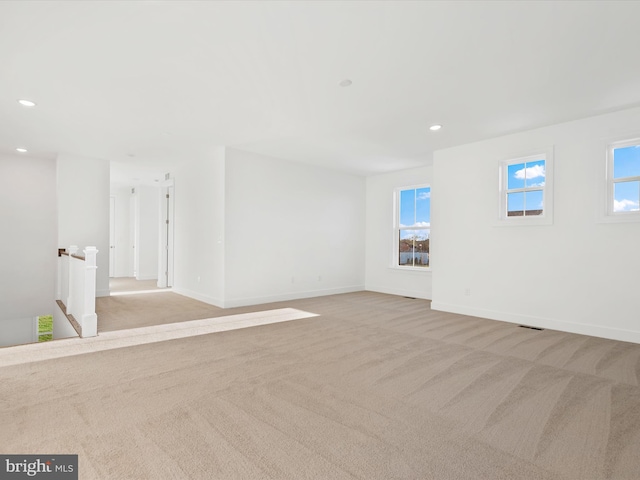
(242, 302)
(216, 302)
(403, 292)
(550, 323)
(103, 293)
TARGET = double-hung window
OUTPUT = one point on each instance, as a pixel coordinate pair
(623, 179)
(526, 190)
(413, 227)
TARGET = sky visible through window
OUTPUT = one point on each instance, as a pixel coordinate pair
(415, 210)
(626, 193)
(523, 177)
(414, 227)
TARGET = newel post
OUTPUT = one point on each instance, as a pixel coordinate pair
(89, 317)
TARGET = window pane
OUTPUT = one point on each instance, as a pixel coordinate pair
(626, 162)
(533, 203)
(626, 196)
(407, 208)
(516, 176)
(535, 174)
(423, 207)
(45, 323)
(405, 249)
(414, 248)
(515, 204)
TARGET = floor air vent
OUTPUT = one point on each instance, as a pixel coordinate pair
(531, 328)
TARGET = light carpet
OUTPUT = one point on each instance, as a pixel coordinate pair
(375, 387)
(36, 352)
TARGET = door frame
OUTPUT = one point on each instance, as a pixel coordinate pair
(112, 236)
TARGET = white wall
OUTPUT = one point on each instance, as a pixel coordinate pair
(148, 231)
(380, 275)
(28, 243)
(83, 209)
(291, 230)
(18, 331)
(576, 275)
(123, 263)
(199, 228)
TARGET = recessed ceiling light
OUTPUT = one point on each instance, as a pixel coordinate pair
(345, 83)
(435, 128)
(27, 103)
(21, 150)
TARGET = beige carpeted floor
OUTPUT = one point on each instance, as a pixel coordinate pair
(145, 309)
(130, 284)
(376, 387)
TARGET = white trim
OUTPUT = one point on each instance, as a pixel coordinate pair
(216, 302)
(166, 183)
(403, 268)
(241, 302)
(394, 264)
(550, 323)
(605, 182)
(140, 292)
(36, 328)
(398, 291)
(546, 154)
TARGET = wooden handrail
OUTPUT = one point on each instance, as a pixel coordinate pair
(63, 251)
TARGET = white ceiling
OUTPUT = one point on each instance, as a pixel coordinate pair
(148, 84)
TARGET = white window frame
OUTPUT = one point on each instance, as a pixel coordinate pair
(546, 218)
(607, 188)
(395, 262)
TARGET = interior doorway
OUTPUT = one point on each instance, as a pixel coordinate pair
(142, 233)
(133, 234)
(165, 257)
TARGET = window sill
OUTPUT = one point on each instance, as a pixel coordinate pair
(410, 269)
(620, 218)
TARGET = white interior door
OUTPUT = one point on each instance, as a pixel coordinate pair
(170, 218)
(165, 256)
(133, 233)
